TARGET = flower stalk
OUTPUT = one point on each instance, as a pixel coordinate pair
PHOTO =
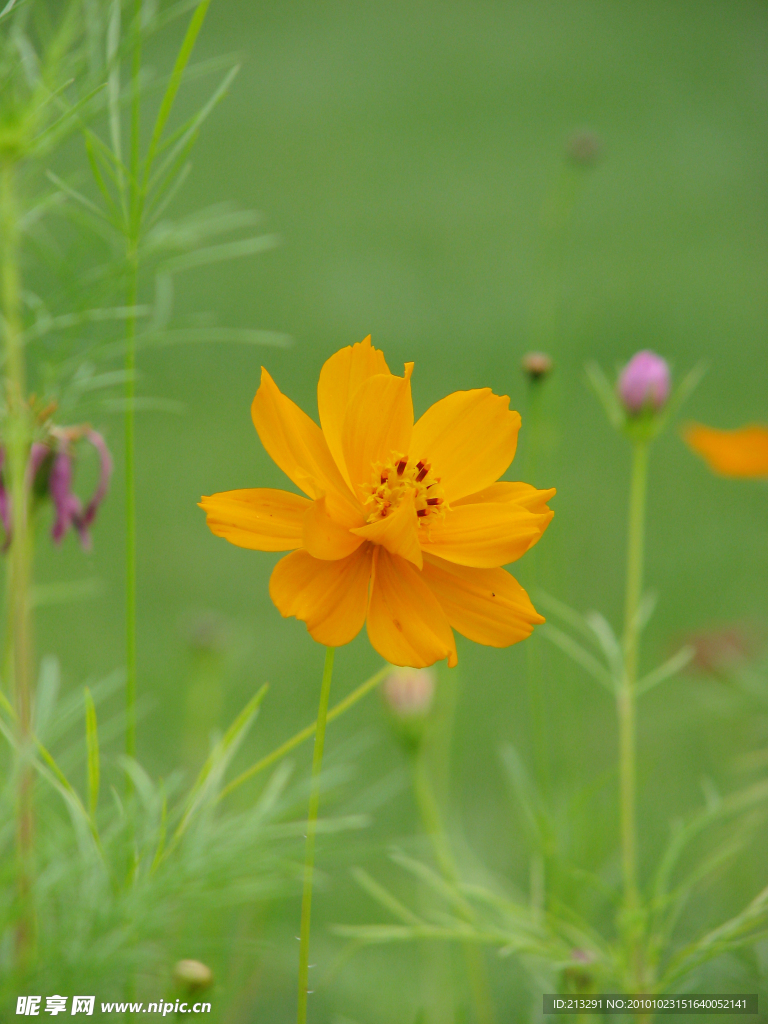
(132, 239)
(309, 856)
(18, 437)
(626, 709)
(432, 823)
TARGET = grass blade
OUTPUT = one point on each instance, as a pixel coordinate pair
(92, 742)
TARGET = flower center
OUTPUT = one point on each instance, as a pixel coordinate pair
(393, 480)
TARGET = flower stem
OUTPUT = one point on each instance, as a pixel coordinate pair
(534, 675)
(432, 823)
(130, 524)
(18, 438)
(626, 703)
(309, 856)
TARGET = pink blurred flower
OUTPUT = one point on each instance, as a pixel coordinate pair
(644, 382)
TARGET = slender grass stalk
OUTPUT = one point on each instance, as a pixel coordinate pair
(309, 857)
(132, 239)
(534, 675)
(432, 823)
(18, 437)
(626, 706)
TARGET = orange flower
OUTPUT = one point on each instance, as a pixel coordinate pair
(736, 453)
(404, 526)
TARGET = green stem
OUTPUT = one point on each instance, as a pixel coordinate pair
(130, 523)
(17, 439)
(626, 705)
(309, 856)
(134, 228)
(534, 675)
(432, 823)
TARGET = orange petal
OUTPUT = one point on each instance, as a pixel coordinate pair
(322, 535)
(485, 605)
(379, 421)
(399, 533)
(469, 438)
(259, 518)
(296, 443)
(736, 453)
(522, 494)
(486, 535)
(331, 597)
(340, 378)
(405, 622)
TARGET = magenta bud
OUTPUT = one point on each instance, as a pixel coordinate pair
(644, 382)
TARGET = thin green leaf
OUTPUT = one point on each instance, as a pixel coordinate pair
(384, 898)
(218, 253)
(684, 390)
(609, 644)
(576, 652)
(163, 830)
(214, 335)
(182, 59)
(218, 760)
(98, 177)
(170, 193)
(46, 323)
(743, 928)
(566, 613)
(669, 668)
(190, 129)
(120, 405)
(113, 98)
(606, 394)
(92, 742)
(524, 791)
(83, 201)
(48, 685)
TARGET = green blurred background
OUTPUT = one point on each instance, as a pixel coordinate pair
(413, 159)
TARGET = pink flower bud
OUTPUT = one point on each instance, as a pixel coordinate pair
(409, 692)
(644, 382)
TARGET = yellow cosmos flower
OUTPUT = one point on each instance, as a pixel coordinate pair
(736, 453)
(404, 526)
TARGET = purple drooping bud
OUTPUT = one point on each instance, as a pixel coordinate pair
(49, 475)
(83, 520)
(66, 503)
(644, 382)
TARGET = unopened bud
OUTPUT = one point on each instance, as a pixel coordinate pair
(409, 692)
(644, 383)
(537, 364)
(192, 974)
(584, 147)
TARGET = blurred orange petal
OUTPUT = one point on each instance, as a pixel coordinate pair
(735, 453)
